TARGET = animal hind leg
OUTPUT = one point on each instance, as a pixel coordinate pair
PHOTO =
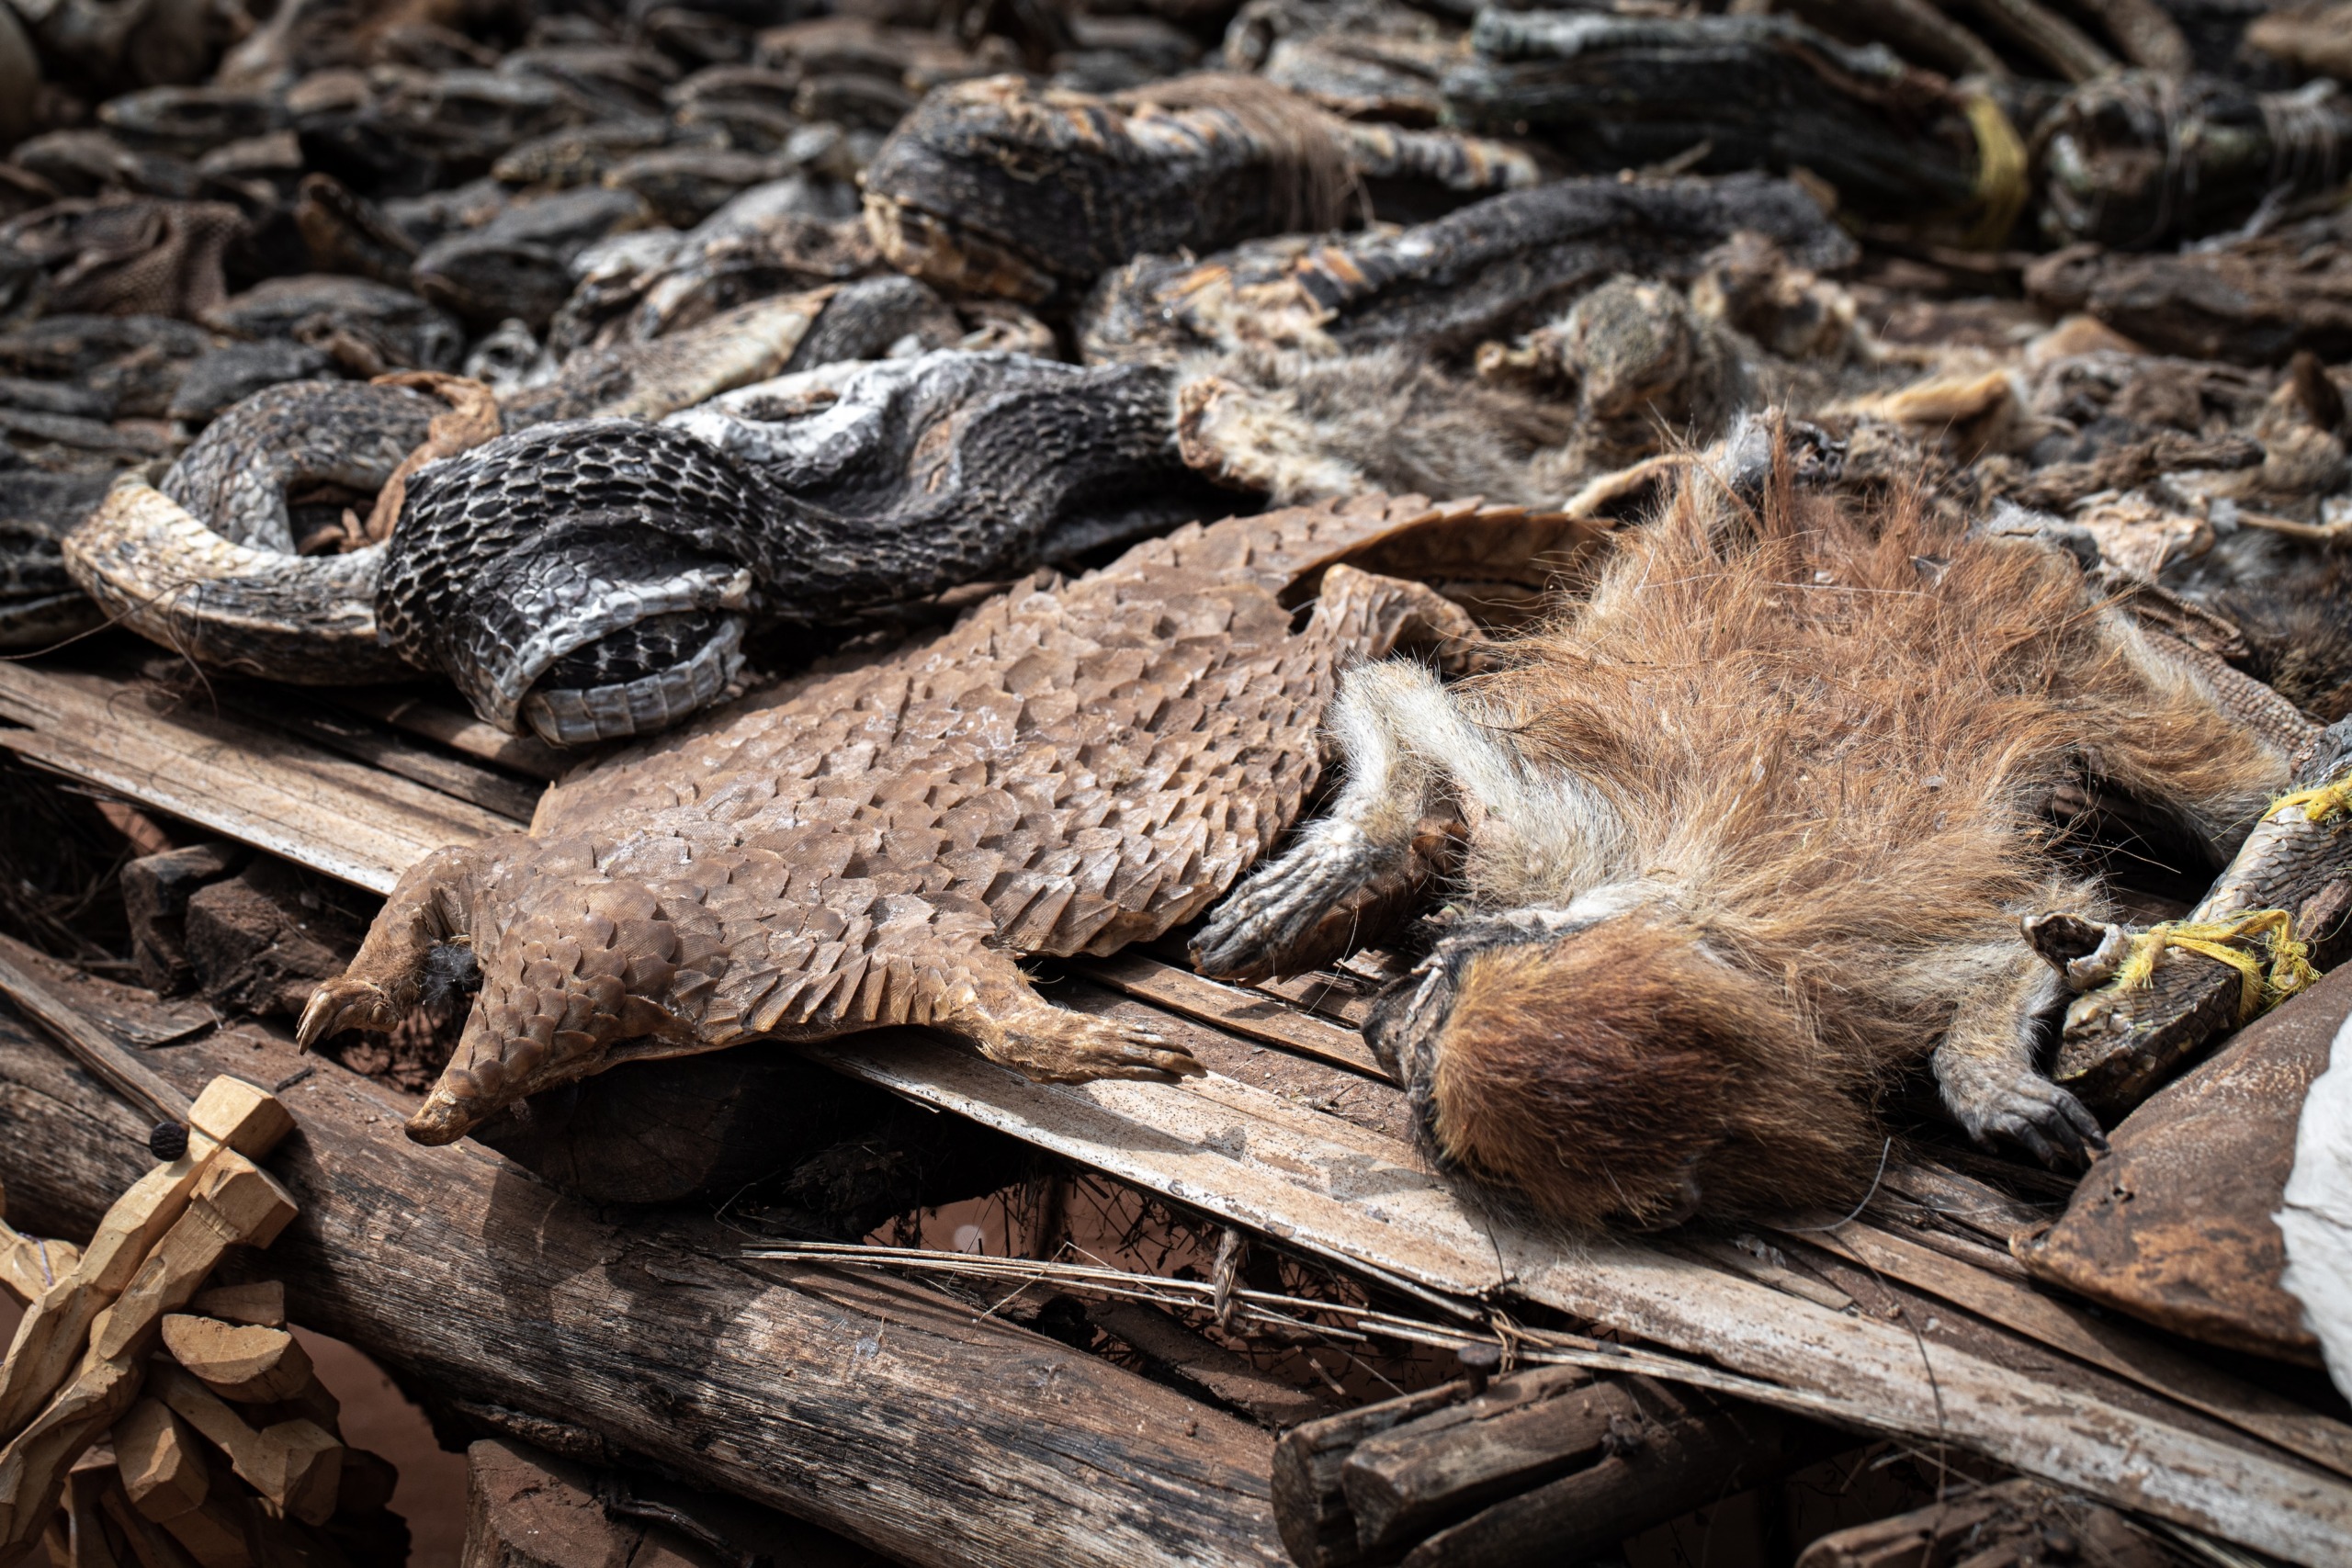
(1985, 1063)
(429, 907)
(997, 1009)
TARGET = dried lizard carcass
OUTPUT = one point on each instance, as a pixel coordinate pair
(1076, 766)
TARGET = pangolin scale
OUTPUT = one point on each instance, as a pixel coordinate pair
(1074, 766)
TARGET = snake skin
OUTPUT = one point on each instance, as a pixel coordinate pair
(893, 480)
(1075, 766)
(1481, 272)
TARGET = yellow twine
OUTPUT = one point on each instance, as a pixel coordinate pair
(2260, 987)
(2004, 181)
(2319, 805)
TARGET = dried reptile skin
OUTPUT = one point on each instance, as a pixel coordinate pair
(1077, 765)
(1490, 268)
(995, 187)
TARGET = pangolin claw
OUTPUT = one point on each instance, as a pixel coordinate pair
(1067, 1047)
(343, 1003)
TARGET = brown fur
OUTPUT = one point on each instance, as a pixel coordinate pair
(1636, 1074)
(1749, 834)
(1831, 760)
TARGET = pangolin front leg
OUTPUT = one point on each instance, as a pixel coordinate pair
(430, 906)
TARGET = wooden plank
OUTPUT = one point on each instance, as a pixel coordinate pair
(2103, 1343)
(368, 743)
(1214, 1146)
(337, 817)
(106, 1057)
(461, 731)
(1230, 1008)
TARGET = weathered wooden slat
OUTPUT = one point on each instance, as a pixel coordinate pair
(1214, 1146)
(369, 741)
(341, 818)
(1241, 1013)
(2103, 1343)
(459, 731)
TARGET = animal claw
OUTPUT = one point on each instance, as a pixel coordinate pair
(343, 1003)
(2028, 1110)
(1054, 1046)
(1273, 924)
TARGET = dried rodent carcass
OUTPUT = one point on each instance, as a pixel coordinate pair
(1734, 843)
(1077, 765)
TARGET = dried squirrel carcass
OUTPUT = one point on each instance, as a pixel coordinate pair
(1075, 766)
(1735, 842)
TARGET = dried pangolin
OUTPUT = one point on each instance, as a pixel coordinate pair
(1077, 765)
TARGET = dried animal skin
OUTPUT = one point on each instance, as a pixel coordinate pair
(1745, 835)
(1075, 766)
(995, 187)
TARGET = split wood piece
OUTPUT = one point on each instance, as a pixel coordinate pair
(1522, 1430)
(1311, 1508)
(846, 1398)
(247, 1363)
(155, 891)
(34, 1466)
(258, 1302)
(1677, 1451)
(161, 1468)
(30, 1265)
(234, 1202)
(2045, 35)
(295, 1465)
(2014, 1521)
(86, 1533)
(230, 1115)
(2112, 1347)
(165, 1475)
(2175, 1225)
(1224, 1375)
(152, 1546)
(92, 1046)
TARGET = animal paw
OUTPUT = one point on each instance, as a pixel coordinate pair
(1281, 921)
(343, 1003)
(1054, 1046)
(2024, 1108)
